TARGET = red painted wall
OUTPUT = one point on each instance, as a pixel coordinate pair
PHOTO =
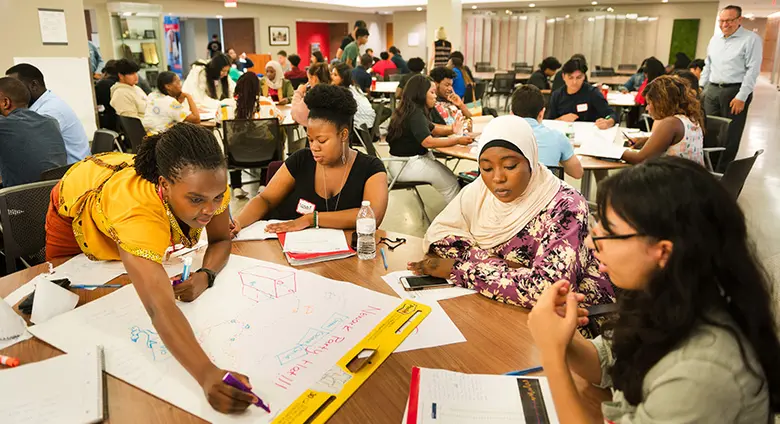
(312, 32)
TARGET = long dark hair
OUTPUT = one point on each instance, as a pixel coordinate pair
(320, 70)
(345, 72)
(166, 154)
(213, 69)
(711, 268)
(247, 90)
(653, 68)
(413, 97)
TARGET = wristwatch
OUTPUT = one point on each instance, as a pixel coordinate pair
(211, 275)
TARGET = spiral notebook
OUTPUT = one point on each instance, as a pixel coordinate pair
(64, 389)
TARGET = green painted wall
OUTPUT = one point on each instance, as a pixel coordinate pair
(684, 36)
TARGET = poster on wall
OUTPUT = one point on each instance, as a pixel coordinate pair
(173, 44)
(53, 28)
(279, 35)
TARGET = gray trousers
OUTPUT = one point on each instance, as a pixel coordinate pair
(716, 103)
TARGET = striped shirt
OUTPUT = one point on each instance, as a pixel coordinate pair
(442, 50)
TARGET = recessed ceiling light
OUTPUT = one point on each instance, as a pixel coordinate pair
(219, 16)
(594, 3)
(474, 7)
(419, 9)
(567, 16)
(532, 5)
(664, 1)
(609, 9)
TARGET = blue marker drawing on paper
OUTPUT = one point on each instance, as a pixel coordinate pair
(152, 341)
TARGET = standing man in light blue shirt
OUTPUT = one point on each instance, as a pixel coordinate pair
(45, 102)
(730, 71)
(554, 149)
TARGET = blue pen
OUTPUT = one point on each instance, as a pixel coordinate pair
(185, 274)
(95, 286)
(525, 371)
(384, 258)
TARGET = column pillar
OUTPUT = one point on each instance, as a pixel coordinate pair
(447, 14)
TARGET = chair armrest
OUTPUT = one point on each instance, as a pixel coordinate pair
(717, 175)
(714, 149)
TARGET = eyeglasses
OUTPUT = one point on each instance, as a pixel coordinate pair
(391, 244)
(593, 222)
(727, 21)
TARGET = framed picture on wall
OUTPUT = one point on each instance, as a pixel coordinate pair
(279, 35)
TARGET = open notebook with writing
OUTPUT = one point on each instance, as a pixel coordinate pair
(64, 389)
(441, 396)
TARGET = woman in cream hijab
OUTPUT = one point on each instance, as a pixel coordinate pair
(275, 86)
(517, 229)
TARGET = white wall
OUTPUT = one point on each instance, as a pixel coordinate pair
(405, 23)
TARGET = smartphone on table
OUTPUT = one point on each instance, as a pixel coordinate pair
(424, 282)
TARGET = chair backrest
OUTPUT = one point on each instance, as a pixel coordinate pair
(716, 131)
(252, 143)
(523, 69)
(504, 83)
(298, 81)
(133, 130)
(484, 67)
(23, 215)
(627, 67)
(737, 172)
(395, 76)
(103, 141)
(517, 64)
(382, 113)
(557, 171)
(55, 174)
(390, 72)
(608, 69)
(364, 137)
(273, 168)
(479, 89)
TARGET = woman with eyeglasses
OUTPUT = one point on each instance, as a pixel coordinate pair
(695, 338)
(515, 230)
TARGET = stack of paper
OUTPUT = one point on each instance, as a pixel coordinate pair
(256, 231)
(440, 396)
(314, 245)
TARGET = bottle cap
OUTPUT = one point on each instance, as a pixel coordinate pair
(366, 203)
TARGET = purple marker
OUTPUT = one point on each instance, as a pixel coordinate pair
(234, 382)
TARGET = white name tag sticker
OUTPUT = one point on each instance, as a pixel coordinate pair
(583, 107)
(305, 207)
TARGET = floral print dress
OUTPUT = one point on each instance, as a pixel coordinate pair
(550, 248)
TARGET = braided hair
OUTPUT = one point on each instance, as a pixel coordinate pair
(166, 154)
(247, 90)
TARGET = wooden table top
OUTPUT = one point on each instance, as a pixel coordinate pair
(386, 87)
(614, 80)
(589, 163)
(285, 109)
(498, 341)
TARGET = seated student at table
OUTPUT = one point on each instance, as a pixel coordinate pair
(208, 82)
(462, 82)
(169, 105)
(696, 66)
(29, 143)
(517, 229)
(106, 113)
(295, 72)
(133, 208)
(557, 82)
(695, 337)
(398, 60)
(341, 76)
(325, 185)
(554, 147)
(383, 65)
(634, 81)
(45, 102)
(318, 74)
(250, 105)
(580, 101)
(316, 57)
(127, 98)
(459, 55)
(275, 85)
(360, 75)
(410, 136)
(547, 69)
(416, 66)
(653, 69)
(677, 127)
(449, 106)
(242, 62)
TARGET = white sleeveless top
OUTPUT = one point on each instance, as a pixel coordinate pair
(691, 146)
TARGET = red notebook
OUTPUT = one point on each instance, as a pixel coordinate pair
(312, 258)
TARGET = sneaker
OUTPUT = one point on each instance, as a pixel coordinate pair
(239, 193)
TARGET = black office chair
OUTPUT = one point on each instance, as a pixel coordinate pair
(364, 138)
(382, 114)
(391, 72)
(23, 215)
(252, 143)
(133, 130)
(483, 67)
(523, 69)
(396, 77)
(627, 67)
(298, 81)
(715, 137)
(55, 174)
(737, 172)
(503, 86)
(519, 64)
(104, 141)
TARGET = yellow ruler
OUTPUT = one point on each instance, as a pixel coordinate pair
(321, 401)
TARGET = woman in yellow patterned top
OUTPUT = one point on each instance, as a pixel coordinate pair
(118, 206)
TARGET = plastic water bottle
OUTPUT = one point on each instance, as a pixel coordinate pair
(366, 231)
